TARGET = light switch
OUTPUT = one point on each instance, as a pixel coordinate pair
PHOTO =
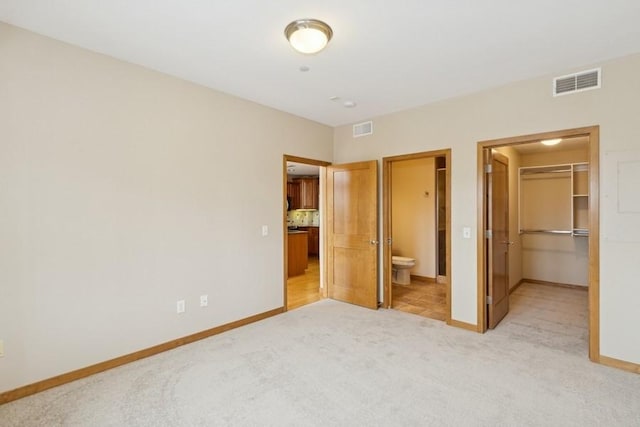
(466, 232)
(265, 230)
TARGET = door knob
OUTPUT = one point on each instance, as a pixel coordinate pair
(373, 242)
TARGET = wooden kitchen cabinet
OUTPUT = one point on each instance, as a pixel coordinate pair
(298, 251)
(313, 240)
(293, 195)
(309, 190)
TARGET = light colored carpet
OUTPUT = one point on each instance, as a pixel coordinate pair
(552, 316)
(334, 364)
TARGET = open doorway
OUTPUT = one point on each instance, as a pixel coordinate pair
(538, 239)
(303, 231)
(417, 218)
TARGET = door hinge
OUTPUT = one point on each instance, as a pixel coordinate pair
(488, 168)
(389, 240)
(488, 234)
(489, 300)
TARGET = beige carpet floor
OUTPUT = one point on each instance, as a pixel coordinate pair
(334, 364)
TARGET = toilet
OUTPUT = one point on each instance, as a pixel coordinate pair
(402, 269)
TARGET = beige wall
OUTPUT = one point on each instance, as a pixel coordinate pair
(555, 258)
(515, 249)
(413, 213)
(518, 109)
(555, 157)
(122, 191)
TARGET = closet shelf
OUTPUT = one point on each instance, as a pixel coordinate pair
(554, 199)
(531, 170)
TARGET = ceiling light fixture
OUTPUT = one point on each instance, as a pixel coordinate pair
(308, 35)
(551, 141)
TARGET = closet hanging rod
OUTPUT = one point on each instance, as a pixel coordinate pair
(531, 172)
(546, 231)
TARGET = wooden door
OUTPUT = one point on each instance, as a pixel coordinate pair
(352, 238)
(498, 242)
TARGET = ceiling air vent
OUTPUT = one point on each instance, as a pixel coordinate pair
(363, 129)
(578, 82)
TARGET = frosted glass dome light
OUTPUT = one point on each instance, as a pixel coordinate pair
(551, 141)
(308, 35)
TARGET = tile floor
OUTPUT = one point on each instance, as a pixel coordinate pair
(423, 298)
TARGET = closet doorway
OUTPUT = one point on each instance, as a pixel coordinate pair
(416, 223)
(538, 237)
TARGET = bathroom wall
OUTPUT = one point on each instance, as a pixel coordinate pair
(413, 213)
(515, 250)
(556, 258)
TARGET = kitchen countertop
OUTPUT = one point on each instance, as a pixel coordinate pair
(297, 232)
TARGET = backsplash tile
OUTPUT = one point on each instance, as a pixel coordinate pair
(303, 217)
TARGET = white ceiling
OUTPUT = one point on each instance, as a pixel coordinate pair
(302, 169)
(385, 55)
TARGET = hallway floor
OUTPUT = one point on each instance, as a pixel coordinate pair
(305, 288)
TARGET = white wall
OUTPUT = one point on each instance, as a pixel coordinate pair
(518, 109)
(414, 213)
(123, 190)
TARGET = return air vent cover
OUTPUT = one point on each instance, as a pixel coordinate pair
(578, 82)
(363, 129)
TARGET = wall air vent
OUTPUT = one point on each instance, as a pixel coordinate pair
(362, 129)
(578, 82)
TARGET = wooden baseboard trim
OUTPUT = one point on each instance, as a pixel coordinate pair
(423, 279)
(463, 325)
(68, 377)
(620, 364)
(516, 286)
(562, 285)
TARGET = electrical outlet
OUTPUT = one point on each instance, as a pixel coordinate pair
(180, 306)
(1, 348)
(204, 300)
(466, 232)
(265, 230)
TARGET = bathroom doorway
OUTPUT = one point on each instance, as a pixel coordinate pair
(304, 183)
(417, 233)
